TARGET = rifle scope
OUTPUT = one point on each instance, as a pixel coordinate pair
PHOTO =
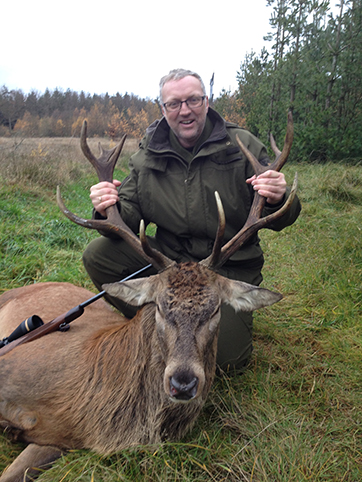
(25, 326)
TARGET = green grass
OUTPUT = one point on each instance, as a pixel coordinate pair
(296, 413)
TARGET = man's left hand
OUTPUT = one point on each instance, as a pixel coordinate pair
(270, 184)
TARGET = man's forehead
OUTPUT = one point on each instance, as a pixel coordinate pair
(186, 85)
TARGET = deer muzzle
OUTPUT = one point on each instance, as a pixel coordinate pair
(183, 383)
(183, 389)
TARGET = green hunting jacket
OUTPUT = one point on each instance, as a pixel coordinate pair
(174, 188)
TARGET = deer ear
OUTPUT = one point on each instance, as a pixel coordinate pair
(245, 297)
(136, 292)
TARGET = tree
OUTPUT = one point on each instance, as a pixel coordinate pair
(315, 69)
(78, 118)
(335, 49)
(277, 22)
(231, 107)
(139, 123)
(11, 106)
(28, 126)
(97, 121)
(254, 92)
(117, 124)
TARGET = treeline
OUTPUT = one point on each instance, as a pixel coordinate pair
(61, 114)
(314, 68)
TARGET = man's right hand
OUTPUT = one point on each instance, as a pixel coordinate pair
(103, 195)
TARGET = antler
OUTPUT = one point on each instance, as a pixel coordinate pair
(114, 223)
(254, 221)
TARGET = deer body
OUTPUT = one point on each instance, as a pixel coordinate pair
(110, 383)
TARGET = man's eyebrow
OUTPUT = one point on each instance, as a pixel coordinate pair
(173, 99)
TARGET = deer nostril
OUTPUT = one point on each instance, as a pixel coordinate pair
(183, 390)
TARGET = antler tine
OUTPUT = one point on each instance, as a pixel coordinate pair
(273, 145)
(84, 146)
(114, 223)
(281, 159)
(213, 260)
(252, 226)
(159, 260)
(258, 168)
(255, 222)
(107, 161)
(282, 156)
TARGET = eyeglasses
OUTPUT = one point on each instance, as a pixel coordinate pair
(192, 103)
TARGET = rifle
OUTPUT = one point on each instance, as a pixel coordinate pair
(33, 327)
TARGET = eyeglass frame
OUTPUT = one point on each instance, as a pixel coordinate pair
(202, 97)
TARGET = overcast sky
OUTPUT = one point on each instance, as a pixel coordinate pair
(126, 45)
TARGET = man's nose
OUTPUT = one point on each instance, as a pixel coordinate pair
(185, 109)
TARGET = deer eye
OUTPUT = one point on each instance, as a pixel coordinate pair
(160, 319)
(214, 320)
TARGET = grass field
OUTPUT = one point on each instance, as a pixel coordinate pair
(296, 413)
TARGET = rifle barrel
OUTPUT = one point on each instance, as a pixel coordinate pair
(63, 319)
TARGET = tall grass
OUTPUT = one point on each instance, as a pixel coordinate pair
(296, 413)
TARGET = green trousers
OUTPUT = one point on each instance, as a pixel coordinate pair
(109, 260)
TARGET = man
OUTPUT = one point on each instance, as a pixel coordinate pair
(183, 159)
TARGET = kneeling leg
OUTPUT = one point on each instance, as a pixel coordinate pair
(32, 461)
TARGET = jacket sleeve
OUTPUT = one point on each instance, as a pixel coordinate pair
(129, 203)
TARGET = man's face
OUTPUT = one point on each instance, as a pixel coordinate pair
(186, 123)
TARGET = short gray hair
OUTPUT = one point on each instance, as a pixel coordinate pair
(178, 74)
